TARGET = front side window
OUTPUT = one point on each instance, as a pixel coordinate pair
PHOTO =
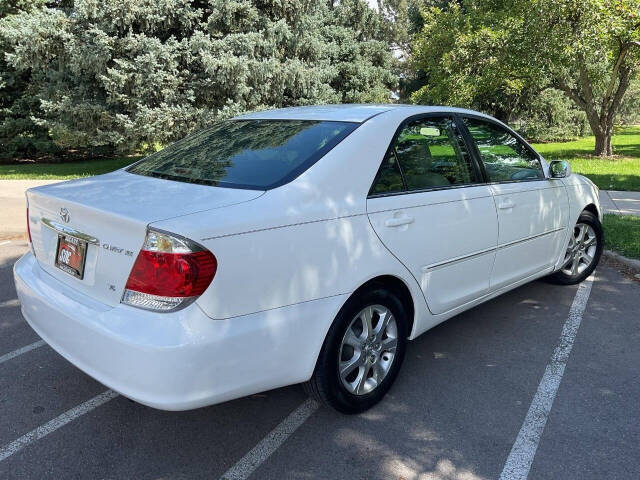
(428, 153)
(505, 158)
(253, 154)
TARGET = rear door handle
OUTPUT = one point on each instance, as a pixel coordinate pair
(398, 221)
(507, 204)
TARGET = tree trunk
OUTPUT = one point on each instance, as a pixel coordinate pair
(603, 142)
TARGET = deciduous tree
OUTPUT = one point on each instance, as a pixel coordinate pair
(499, 55)
(590, 50)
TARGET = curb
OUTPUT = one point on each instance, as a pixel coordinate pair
(627, 262)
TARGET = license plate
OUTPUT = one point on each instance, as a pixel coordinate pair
(71, 255)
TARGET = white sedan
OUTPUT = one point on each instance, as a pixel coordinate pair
(296, 245)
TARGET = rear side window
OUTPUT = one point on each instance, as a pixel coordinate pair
(252, 154)
(505, 158)
(428, 153)
(389, 178)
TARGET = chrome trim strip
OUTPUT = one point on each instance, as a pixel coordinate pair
(427, 190)
(458, 259)
(488, 250)
(63, 229)
(532, 237)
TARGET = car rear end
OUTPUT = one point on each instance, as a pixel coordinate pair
(118, 297)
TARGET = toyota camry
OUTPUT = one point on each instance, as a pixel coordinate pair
(301, 245)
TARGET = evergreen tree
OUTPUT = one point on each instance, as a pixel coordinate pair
(20, 136)
(140, 72)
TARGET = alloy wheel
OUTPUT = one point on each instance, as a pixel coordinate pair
(368, 349)
(581, 250)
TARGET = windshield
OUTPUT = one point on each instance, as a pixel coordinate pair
(252, 154)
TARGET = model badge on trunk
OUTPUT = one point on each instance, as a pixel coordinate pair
(113, 248)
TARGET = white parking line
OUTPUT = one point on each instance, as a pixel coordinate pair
(14, 302)
(20, 351)
(524, 449)
(269, 444)
(5, 242)
(60, 421)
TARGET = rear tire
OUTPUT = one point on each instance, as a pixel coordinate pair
(583, 251)
(358, 363)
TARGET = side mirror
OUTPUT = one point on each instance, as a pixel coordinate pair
(559, 169)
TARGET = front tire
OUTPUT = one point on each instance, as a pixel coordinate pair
(583, 251)
(362, 353)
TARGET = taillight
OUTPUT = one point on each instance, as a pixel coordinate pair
(168, 273)
(28, 227)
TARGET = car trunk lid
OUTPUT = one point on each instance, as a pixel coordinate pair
(111, 214)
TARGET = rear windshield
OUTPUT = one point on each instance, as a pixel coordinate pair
(252, 154)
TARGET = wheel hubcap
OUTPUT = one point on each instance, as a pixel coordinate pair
(368, 349)
(581, 250)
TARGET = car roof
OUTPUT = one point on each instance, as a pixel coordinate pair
(347, 113)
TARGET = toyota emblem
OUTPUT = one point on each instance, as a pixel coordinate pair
(64, 215)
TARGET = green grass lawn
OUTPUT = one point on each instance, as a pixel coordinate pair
(621, 172)
(63, 171)
(622, 234)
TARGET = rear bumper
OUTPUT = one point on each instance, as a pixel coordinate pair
(180, 360)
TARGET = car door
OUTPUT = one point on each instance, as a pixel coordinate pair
(532, 209)
(430, 208)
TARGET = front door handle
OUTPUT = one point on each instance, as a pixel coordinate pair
(507, 204)
(398, 221)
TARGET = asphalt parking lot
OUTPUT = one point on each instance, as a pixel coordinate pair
(543, 381)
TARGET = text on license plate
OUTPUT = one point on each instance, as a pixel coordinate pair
(70, 255)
